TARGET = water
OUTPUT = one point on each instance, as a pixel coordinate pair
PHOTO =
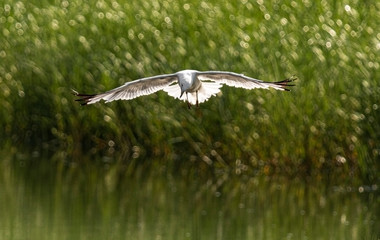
(93, 202)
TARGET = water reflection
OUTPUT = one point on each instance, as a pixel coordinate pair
(96, 203)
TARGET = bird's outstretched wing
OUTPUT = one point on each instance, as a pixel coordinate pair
(130, 90)
(240, 81)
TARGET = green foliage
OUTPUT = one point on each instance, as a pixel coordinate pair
(328, 126)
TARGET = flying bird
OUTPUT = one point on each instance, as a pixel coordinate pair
(191, 86)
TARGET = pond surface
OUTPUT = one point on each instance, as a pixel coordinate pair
(91, 203)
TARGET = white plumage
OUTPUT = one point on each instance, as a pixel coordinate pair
(191, 86)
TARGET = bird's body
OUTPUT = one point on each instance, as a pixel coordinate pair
(191, 86)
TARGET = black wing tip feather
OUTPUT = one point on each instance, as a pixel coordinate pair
(83, 98)
(285, 83)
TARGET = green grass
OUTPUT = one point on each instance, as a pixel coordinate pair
(327, 127)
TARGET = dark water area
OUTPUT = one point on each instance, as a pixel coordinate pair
(91, 202)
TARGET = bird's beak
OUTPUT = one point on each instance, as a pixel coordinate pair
(181, 93)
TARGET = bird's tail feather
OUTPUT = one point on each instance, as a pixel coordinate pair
(207, 90)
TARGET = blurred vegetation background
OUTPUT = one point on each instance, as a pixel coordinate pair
(327, 128)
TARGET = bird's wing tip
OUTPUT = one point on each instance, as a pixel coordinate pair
(290, 79)
(83, 99)
(285, 83)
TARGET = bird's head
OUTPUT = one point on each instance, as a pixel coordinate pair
(184, 87)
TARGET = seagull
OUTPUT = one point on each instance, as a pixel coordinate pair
(191, 86)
